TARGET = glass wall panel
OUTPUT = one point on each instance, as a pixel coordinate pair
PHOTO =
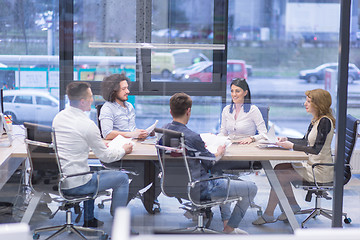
(287, 47)
(282, 48)
(28, 45)
(182, 22)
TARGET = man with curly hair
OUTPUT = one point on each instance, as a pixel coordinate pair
(117, 116)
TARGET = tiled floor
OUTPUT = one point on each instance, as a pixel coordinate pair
(171, 217)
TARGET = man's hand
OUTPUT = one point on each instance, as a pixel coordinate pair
(128, 147)
(141, 133)
(220, 151)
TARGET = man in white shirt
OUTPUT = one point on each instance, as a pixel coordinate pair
(75, 135)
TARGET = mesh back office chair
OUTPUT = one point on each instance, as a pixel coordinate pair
(42, 153)
(320, 189)
(176, 180)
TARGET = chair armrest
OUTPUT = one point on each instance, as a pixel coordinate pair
(192, 185)
(64, 177)
(313, 172)
(39, 144)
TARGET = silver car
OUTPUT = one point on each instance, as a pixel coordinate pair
(30, 105)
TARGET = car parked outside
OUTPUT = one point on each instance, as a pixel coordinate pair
(30, 105)
(162, 63)
(318, 73)
(202, 71)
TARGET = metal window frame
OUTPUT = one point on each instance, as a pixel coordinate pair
(143, 84)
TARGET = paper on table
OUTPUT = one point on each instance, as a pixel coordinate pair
(269, 145)
(120, 141)
(149, 140)
(213, 141)
(270, 137)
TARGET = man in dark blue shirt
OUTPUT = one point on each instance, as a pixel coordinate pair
(200, 167)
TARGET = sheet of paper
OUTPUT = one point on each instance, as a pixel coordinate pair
(152, 127)
(148, 130)
(213, 141)
(119, 141)
(149, 140)
(270, 137)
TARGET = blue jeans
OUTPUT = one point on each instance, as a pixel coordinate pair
(116, 180)
(244, 189)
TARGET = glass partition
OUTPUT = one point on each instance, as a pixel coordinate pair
(281, 48)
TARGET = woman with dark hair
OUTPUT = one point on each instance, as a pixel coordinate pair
(241, 119)
(316, 143)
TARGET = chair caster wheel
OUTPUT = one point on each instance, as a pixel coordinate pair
(104, 237)
(36, 236)
(157, 210)
(259, 213)
(101, 205)
(347, 220)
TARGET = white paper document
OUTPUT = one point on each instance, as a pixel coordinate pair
(270, 137)
(149, 140)
(152, 127)
(213, 141)
(120, 141)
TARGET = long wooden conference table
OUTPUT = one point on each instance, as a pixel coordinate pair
(146, 152)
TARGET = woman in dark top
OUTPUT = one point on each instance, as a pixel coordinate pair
(316, 143)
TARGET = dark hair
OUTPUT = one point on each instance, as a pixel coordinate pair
(241, 83)
(110, 86)
(179, 103)
(77, 91)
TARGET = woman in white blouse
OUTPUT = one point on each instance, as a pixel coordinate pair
(241, 119)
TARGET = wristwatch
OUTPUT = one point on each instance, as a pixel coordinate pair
(252, 138)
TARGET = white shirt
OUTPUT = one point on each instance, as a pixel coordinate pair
(245, 125)
(75, 135)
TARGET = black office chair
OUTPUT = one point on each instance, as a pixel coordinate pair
(320, 189)
(98, 108)
(46, 177)
(177, 181)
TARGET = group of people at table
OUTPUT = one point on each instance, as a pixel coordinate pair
(76, 135)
